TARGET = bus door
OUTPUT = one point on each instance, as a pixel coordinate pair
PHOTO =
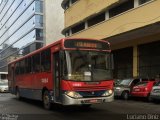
(11, 78)
(56, 76)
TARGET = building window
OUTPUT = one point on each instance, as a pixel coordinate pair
(97, 19)
(78, 28)
(121, 8)
(0, 1)
(39, 34)
(66, 5)
(39, 45)
(39, 20)
(143, 1)
(149, 65)
(39, 6)
(123, 62)
(73, 1)
(67, 33)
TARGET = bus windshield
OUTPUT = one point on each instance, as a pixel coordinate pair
(88, 66)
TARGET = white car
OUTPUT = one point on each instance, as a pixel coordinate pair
(155, 93)
(4, 86)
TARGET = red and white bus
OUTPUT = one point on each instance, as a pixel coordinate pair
(68, 72)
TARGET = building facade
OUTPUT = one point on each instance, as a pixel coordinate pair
(131, 26)
(25, 26)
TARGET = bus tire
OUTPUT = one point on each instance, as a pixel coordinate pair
(18, 94)
(46, 100)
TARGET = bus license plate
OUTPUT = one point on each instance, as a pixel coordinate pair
(92, 101)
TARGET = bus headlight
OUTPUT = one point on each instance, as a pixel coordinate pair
(107, 93)
(73, 94)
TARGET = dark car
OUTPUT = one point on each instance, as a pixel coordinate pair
(124, 87)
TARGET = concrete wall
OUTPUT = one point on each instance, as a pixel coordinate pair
(54, 20)
(84, 8)
(132, 19)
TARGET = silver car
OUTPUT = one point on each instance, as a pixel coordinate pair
(4, 86)
(124, 87)
(155, 93)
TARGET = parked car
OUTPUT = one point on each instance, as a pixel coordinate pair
(124, 87)
(4, 86)
(142, 89)
(117, 81)
(155, 93)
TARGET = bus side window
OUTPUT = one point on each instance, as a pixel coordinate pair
(28, 65)
(17, 68)
(22, 67)
(36, 63)
(46, 60)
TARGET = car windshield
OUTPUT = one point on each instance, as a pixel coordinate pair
(88, 66)
(141, 84)
(117, 82)
(125, 82)
(157, 84)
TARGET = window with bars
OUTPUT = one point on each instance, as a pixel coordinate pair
(143, 1)
(149, 65)
(123, 63)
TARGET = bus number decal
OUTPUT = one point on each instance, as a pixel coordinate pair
(77, 84)
(44, 80)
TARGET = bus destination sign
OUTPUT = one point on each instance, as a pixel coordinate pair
(86, 44)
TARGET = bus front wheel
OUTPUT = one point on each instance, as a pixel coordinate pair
(46, 100)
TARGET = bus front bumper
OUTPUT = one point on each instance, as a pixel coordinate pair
(72, 101)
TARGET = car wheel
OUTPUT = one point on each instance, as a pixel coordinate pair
(125, 95)
(149, 99)
(46, 100)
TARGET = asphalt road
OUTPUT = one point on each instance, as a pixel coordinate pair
(13, 109)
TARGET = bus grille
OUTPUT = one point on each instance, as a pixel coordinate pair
(89, 94)
(91, 88)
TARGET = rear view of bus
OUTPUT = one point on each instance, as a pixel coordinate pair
(67, 72)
